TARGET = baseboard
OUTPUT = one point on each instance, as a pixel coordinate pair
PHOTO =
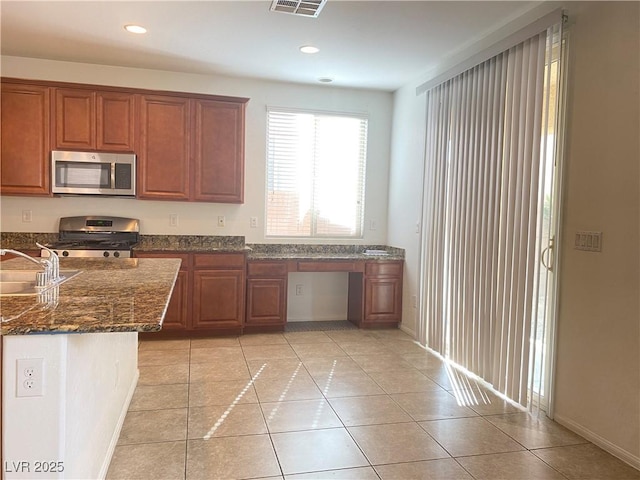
(408, 331)
(602, 442)
(318, 318)
(116, 433)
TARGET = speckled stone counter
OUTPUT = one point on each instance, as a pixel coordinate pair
(190, 243)
(109, 295)
(276, 251)
(213, 243)
(25, 241)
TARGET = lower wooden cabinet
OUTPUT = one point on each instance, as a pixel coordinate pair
(266, 295)
(208, 297)
(218, 300)
(375, 297)
(224, 294)
(9, 256)
(177, 317)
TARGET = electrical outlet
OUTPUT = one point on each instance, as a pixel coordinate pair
(29, 377)
(173, 219)
(414, 301)
(299, 290)
(373, 225)
(26, 216)
(253, 222)
(221, 220)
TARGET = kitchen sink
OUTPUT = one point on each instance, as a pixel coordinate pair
(23, 282)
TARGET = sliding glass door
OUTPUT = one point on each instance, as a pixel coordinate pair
(491, 203)
(544, 327)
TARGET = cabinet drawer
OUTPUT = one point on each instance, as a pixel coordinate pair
(329, 266)
(219, 260)
(182, 256)
(266, 269)
(384, 268)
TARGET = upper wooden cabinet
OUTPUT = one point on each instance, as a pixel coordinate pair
(115, 121)
(24, 160)
(163, 153)
(218, 151)
(94, 120)
(191, 149)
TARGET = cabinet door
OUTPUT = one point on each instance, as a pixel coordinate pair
(25, 126)
(75, 119)
(218, 299)
(266, 301)
(218, 151)
(115, 122)
(177, 315)
(163, 153)
(383, 299)
(9, 256)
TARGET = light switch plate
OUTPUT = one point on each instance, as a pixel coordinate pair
(588, 241)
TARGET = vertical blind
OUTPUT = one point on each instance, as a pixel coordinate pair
(316, 166)
(481, 212)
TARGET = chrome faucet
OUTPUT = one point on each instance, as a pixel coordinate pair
(54, 261)
(51, 266)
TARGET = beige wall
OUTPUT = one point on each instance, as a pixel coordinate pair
(200, 218)
(598, 347)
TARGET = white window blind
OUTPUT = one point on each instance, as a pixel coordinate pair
(482, 213)
(316, 166)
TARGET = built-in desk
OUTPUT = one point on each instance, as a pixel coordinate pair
(374, 298)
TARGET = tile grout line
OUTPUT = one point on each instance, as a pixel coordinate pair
(484, 416)
(266, 425)
(186, 443)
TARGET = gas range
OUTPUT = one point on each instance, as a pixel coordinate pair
(95, 236)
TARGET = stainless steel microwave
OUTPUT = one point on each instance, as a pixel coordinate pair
(93, 173)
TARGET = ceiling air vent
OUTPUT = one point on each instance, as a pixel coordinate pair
(303, 8)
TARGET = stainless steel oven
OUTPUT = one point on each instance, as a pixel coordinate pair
(96, 236)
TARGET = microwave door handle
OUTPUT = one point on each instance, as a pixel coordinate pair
(113, 175)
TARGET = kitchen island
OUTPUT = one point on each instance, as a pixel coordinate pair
(82, 337)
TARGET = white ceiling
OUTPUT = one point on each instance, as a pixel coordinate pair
(363, 44)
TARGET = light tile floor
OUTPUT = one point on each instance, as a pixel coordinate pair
(332, 405)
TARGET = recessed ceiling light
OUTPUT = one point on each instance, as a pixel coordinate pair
(325, 80)
(135, 29)
(309, 49)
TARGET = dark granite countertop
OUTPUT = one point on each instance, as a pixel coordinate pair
(275, 251)
(190, 243)
(26, 241)
(109, 295)
(221, 244)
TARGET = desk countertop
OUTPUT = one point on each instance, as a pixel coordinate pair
(109, 295)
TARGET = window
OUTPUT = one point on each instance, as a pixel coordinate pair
(315, 174)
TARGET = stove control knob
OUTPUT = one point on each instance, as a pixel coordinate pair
(65, 253)
(116, 254)
(105, 254)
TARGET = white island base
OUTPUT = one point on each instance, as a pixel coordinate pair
(70, 431)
